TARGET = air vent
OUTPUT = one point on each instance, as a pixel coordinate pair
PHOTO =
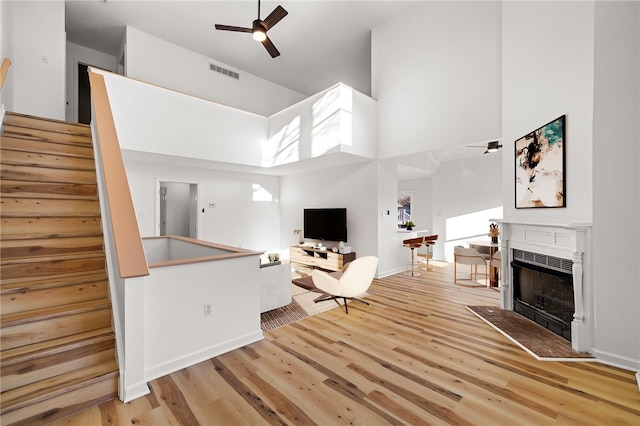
(224, 71)
(551, 262)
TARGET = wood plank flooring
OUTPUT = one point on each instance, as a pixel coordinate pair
(414, 356)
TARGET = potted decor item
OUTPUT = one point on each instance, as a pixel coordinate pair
(494, 232)
(274, 257)
(409, 225)
(298, 232)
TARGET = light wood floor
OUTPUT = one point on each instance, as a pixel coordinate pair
(415, 356)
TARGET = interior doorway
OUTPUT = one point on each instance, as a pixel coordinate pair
(177, 209)
(84, 94)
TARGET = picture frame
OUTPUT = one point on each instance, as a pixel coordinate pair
(540, 167)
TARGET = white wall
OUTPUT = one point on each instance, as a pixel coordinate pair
(79, 54)
(34, 40)
(176, 332)
(548, 72)
(616, 182)
(4, 48)
(149, 118)
(151, 59)
(461, 187)
(336, 120)
(353, 187)
(392, 257)
(237, 220)
(436, 76)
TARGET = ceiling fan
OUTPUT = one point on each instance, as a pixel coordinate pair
(491, 147)
(259, 28)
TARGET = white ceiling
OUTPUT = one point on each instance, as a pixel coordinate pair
(321, 42)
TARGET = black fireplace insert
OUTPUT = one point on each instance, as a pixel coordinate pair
(544, 295)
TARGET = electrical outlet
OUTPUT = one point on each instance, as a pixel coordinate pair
(208, 310)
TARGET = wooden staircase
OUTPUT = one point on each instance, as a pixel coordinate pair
(58, 346)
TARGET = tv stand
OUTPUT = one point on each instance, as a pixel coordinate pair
(320, 258)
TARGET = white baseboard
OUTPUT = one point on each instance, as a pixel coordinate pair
(616, 360)
(190, 359)
(134, 391)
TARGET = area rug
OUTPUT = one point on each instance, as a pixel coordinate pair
(279, 317)
(541, 343)
(302, 306)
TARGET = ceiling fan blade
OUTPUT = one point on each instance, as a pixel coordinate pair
(231, 28)
(271, 48)
(274, 17)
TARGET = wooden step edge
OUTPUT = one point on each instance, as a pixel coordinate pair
(16, 237)
(26, 280)
(12, 114)
(48, 166)
(29, 258)
(21, 144)
(34, 393)
(39, 283)
(27, 353)
(26, 120)
(48, 197)
(38, 259)
(26, 317)
(37, 134)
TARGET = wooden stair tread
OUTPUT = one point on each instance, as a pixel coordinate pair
(42, 123)
(54, 278)
(56, 190)
(35, 392)
(15, 249)
(15, 228)
(19, 143)
(46, 174)
(45, 135)
(24, 317)
(27, 260)
(38, 207)
(24, 353)
(40, 283)
(53, 161)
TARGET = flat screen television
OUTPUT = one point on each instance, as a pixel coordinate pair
(326, 224)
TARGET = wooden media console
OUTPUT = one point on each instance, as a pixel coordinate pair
(320, 258)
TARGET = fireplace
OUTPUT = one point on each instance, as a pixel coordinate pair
(547, 277)
(543, 292)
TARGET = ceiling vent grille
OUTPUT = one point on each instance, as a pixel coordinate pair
(224, 71)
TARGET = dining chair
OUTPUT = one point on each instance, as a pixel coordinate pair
(468, 256)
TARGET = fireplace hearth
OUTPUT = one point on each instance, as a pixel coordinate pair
(544, 294)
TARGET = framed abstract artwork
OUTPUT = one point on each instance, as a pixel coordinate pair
(539, 167)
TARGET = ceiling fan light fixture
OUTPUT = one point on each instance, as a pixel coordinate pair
(258, 32)
(259, 35)
(493, 147)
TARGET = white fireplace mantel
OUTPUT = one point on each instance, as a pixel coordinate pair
(567, 241)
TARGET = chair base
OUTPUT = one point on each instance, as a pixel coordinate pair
(328, 297)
